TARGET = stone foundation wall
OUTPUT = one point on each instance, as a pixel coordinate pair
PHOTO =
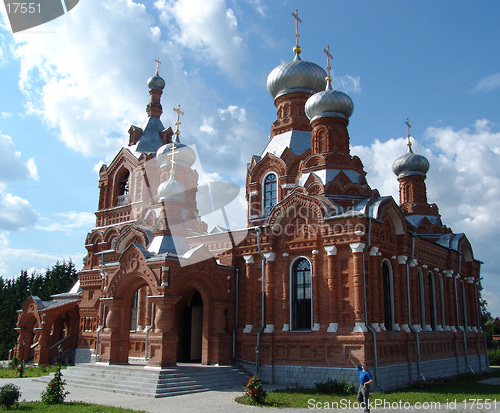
(389, 377)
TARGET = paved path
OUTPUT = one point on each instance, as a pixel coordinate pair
(221, 401)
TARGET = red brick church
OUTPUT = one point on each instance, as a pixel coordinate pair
(326, 266)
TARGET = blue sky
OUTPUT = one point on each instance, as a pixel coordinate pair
(70, 89)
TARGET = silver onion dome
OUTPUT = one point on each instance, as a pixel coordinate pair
(171, 190)
(156, 82)
(329, 103)
(295, 76)
(410, 164)
(184, 155)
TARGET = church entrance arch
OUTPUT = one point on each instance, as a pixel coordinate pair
(191, 343)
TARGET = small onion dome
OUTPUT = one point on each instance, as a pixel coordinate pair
(183, 154)
(410, 164)
(329, 103)
(156, 82)
(171, 190)
(295, 76)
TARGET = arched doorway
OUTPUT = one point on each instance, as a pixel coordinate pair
(192, 330)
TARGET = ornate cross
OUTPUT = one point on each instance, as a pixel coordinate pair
(407, 123)
(157, 60)
(328, 57)
(297, 21)
(172, 156)
(178, 122)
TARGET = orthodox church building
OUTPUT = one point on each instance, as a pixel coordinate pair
(326, 267)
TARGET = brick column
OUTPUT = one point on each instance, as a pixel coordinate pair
(269, 289)
(374, 289)
(403, 292)
(449, 300)
(358, 292)
(141, 310)
(163, 342)
(285, 279)
(334, 289)
(415, 296)
(117, 351)
(249, 294)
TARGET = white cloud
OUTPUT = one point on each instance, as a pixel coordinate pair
(69, 221)
(15, 213)
(12, 168)
(209, 28)
(463, 180)
(487, 84)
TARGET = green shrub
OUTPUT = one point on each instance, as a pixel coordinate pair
(334, 387)
(255, 390)
(55, 394)
(9, 395)
(494, 357)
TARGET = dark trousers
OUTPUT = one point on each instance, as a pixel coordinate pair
(363, 394)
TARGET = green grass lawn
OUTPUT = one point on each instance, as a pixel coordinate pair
(39, 407)
(31, 371)
(445, 392)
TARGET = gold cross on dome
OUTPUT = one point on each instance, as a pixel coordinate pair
(178, 122)
(297, 21)
(328, 57)
(172, 156)
(157, 60)
(407, 123)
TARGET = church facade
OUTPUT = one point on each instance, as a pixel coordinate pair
(326, 267)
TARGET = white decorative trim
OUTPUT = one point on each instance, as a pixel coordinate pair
(393, 257)
(439, 328)
(286, 254)
(402, 259)
(331, 250)
(269, 256)
(436, 269)
(374, 251)
(382, 327)
(453, 329)
(248, 259)
(269, 328)
(287, 186)
(448, 273)
(314, 252)
(413, 262)
(376, 327)
(248, 329)
(332, 327)
(396, 327)
(286, 327)
(425, 266)
(417, 328)
(315, 327)
(357, 247)
(359, 327)
(405, 327)
(470, 280)
(252, 193)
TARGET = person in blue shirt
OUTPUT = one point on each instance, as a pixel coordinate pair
(365, 379)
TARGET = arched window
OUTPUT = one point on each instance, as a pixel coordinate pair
(421, 297)
(432, 300)
(301, 295)
(270, 193)
(134, 311)
(388, 301)
(123, 187)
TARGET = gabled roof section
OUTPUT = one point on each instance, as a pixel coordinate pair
(150, 139)
(296, 141)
